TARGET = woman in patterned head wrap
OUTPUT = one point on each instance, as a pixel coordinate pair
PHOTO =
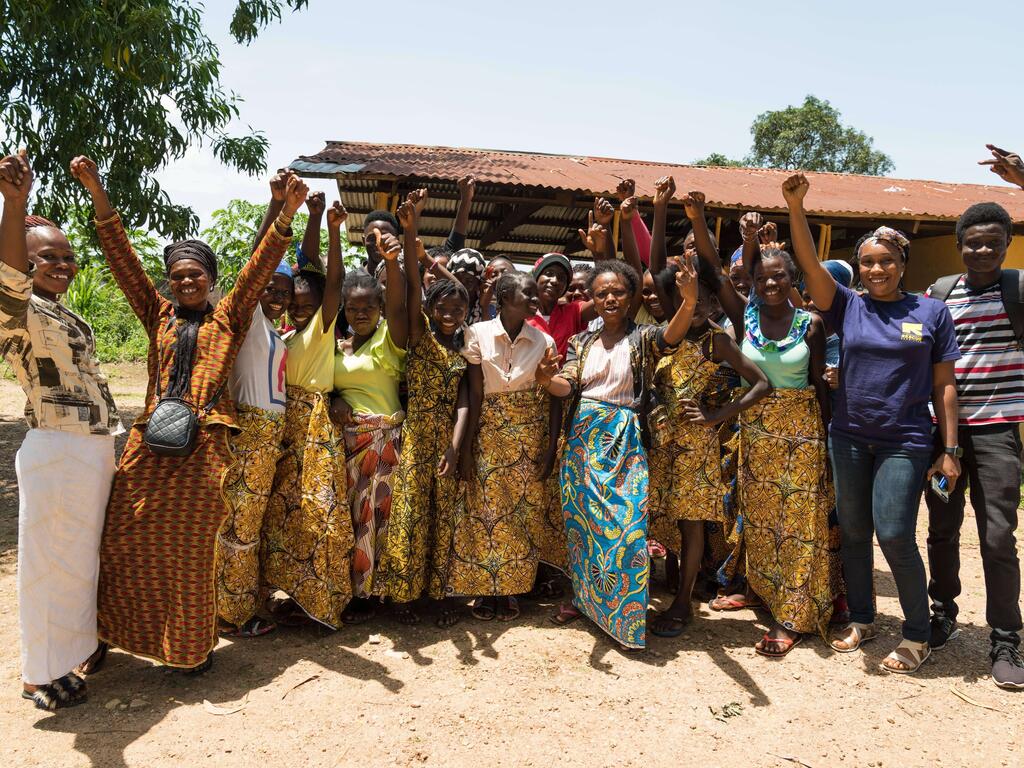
(157, 595)
(898, 356)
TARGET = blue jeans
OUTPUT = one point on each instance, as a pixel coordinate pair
(878, 490)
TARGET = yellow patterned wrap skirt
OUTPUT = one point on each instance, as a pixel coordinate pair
(247, 486)
(494, 551)
(307, 531)
(785, 494)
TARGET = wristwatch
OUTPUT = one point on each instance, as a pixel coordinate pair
(956, 451)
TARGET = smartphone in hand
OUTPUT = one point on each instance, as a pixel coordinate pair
(940, 486)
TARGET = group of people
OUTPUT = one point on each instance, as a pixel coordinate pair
(319, 441)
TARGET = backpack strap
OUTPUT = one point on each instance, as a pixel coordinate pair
(1011, 286)
(944, 286)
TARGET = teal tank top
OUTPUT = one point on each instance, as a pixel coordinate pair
(785, 362)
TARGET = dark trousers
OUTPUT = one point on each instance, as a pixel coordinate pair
(991, 466)
(878, 491)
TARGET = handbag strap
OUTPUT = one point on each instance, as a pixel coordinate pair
(213, 400)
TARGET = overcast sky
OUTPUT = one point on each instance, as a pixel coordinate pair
(661, 81)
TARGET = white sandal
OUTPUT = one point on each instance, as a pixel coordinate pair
(853, 636)
(910, 654)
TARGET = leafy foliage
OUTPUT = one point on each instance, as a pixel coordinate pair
(133, 84)
(233, 229)
(810, 138)
(94, 295)
(718, 159)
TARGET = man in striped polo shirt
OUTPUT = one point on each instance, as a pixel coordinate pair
(990, 390)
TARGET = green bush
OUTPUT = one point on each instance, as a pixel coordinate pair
(95, 296)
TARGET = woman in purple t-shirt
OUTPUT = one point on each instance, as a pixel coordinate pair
(897, 356)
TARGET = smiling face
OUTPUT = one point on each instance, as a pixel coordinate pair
(983, 250)
(54, 260)
(552, 283)
(521, 303)
(362, 310)
(881, 269)
(740, 279)
(611, 297)
(772, 280)
(305, 303)
(276, 297)
(449, 313)
(189, 284)
(650, 297)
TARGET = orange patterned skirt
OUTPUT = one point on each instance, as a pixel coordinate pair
(157, 590)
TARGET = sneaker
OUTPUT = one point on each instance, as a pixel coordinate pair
(1007, 667)
(944, 629)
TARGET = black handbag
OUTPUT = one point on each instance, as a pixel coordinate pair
(174, 424)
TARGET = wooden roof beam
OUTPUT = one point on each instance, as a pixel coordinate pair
(517, 216)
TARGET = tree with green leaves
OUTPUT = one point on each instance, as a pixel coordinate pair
(133, 84)
(233, 229)
(718, 160)
(810, 137)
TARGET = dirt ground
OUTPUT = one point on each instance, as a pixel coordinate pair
(520, 694)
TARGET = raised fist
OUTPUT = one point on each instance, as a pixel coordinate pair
(625, 190)
(316, 203)
(295, 193)
(85, 170)
(336, 215)
(794, 189)
(664, 188)
(15, 177)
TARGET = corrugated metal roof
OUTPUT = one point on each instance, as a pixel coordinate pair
(831, 195)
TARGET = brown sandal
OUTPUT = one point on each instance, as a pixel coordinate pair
(908, 653)
(851, 637)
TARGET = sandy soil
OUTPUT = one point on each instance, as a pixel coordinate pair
(519, 694)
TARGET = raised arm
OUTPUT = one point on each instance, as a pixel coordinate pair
(732, 303)
(394, 290)
(750, 224)
(819, 282)
(641, 236)
(409, 218)
(15, 184)
(1005, 164)
(595, 240)
(143, 297)
(277, 186)
(335, 264)
(432, 265)
(686, 283)
(457, 237)
(316, 203)
(627, 212)
(604, 214)
(664, 188)
(252, 280)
